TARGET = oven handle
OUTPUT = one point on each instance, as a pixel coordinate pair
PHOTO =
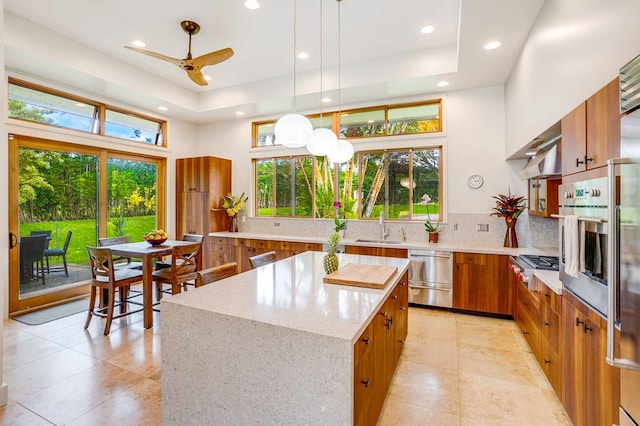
(582, 218)
(612, 266)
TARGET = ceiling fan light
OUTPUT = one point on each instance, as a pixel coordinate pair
(293, 130)
(322, 142)
(252, 4)
(342, 153)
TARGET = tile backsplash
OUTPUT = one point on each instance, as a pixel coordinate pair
(532, 231)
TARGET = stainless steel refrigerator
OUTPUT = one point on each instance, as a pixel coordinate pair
(624, 287)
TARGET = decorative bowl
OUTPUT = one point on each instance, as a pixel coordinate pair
(156, 242)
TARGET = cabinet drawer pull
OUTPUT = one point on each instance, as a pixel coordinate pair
(401, 341)
(578, 322)
(547, 295)
(525, 332)
(403, 284)
(546, 361)
(394, 297)
(366, 340)
(366, 383)
(547, 323)
(578, 162)
(587, 328)
(384, 314)
(525, 303)
(402, 308)
(586, 159)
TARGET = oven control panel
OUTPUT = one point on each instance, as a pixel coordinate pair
(586, 193)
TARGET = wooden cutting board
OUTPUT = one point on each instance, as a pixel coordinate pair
(362, 275)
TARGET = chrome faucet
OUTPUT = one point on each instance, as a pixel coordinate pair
(384, 233)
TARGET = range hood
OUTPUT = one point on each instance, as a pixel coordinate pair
(546, 163)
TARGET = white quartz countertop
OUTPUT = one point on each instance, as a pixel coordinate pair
(551, 279)
(290, 293)
(460, 247)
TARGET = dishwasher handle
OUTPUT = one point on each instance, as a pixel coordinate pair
(444, 255)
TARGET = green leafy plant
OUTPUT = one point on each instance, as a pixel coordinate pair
(508, 206)
(340, 225)
(428, 225)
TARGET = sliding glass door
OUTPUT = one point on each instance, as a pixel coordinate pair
(62, 198)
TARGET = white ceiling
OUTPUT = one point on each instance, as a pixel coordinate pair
(384, 56)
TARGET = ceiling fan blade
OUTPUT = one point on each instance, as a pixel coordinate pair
(155, 55)
(212, 58)
(197, 77)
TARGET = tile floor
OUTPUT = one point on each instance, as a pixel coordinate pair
(455, 370)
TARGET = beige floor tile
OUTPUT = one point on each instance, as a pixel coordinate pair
(490, 400)
(488, 334)
(556, 407)
(14, 414)
(494, 362)
(426, 386)
(434, 351)
(427, 323)
(23, 352)
(398, 412)
(139, 405)
(79, 394)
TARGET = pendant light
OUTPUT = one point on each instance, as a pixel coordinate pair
(293, 130)
(343, 150)
(323, 141)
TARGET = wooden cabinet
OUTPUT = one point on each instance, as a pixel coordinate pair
(239, 250)
(528, 316)
(200, 185)
(377, 251)
(481, 283)
(590, 387)
(550, 327)
(543, 197)
(376, 354)
(591, 132)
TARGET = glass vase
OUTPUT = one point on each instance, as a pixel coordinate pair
(233, 223)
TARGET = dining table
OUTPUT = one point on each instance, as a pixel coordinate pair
(146, 252)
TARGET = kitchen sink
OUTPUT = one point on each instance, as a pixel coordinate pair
(361, 240)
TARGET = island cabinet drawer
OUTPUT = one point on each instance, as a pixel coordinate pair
(470, 258)
(363, 344)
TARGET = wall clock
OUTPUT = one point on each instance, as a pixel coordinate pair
(475, 181)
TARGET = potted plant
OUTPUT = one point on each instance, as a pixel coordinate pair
(433, 228)
(510, 207)
(340, 225)
(233, 204)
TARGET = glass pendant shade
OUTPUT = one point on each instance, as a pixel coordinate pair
(293, 130)
(342, 153)
(322, 142)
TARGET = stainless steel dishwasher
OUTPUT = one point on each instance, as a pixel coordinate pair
(431, 278)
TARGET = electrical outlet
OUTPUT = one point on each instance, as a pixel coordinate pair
(276, 223)
(482, 227)
(455, 226)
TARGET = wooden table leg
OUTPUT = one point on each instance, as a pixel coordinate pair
(147, 289)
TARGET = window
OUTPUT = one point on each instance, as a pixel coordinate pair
(46, 106)
(391, 182)
(386, 120)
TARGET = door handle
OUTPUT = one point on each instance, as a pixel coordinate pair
(13, 240)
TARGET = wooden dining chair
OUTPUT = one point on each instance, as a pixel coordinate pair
(184, 267)
(107, 277)
(193, 238)
(216, 273)
(120, 261)
(262, 259)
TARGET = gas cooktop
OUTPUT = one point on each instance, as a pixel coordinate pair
(549, 263)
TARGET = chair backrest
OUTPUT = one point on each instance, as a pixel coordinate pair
(184, 259)
(112, 241)
(32, 247)
(216, 273)
(194, 238)
(101, 263)
(67, 240)
(262, 259)
(45, 233)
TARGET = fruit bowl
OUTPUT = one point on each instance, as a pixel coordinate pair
(156, 242)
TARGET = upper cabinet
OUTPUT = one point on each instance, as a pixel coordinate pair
(202, 174)
(543, 196)
(591, 132)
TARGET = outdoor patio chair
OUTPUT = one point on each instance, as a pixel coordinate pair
(59, 253)
(45, 233)
(32, 258)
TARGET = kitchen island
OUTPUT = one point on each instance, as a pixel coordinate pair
(274, 345)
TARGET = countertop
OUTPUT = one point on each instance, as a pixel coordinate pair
(290, 293)
(551, 279)
(440, 246)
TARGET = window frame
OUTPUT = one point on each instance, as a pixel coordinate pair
(100, 116)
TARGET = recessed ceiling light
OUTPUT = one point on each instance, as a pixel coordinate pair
(442, 84)
(370, 121)
(492, 45)
(252, 4)
(163, 108)
(80, 104)
(303, 55)
(139, 43)
(239, 112)
(427, 29)
(206, 77)
(326, 100)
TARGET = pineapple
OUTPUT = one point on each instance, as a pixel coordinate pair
(330, 259)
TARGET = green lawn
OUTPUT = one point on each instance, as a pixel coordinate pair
(85, 234)
(396, 211)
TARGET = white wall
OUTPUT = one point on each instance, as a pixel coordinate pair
(473, 142)
(574, 49)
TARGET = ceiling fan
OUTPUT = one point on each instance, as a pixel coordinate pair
(191, 65)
